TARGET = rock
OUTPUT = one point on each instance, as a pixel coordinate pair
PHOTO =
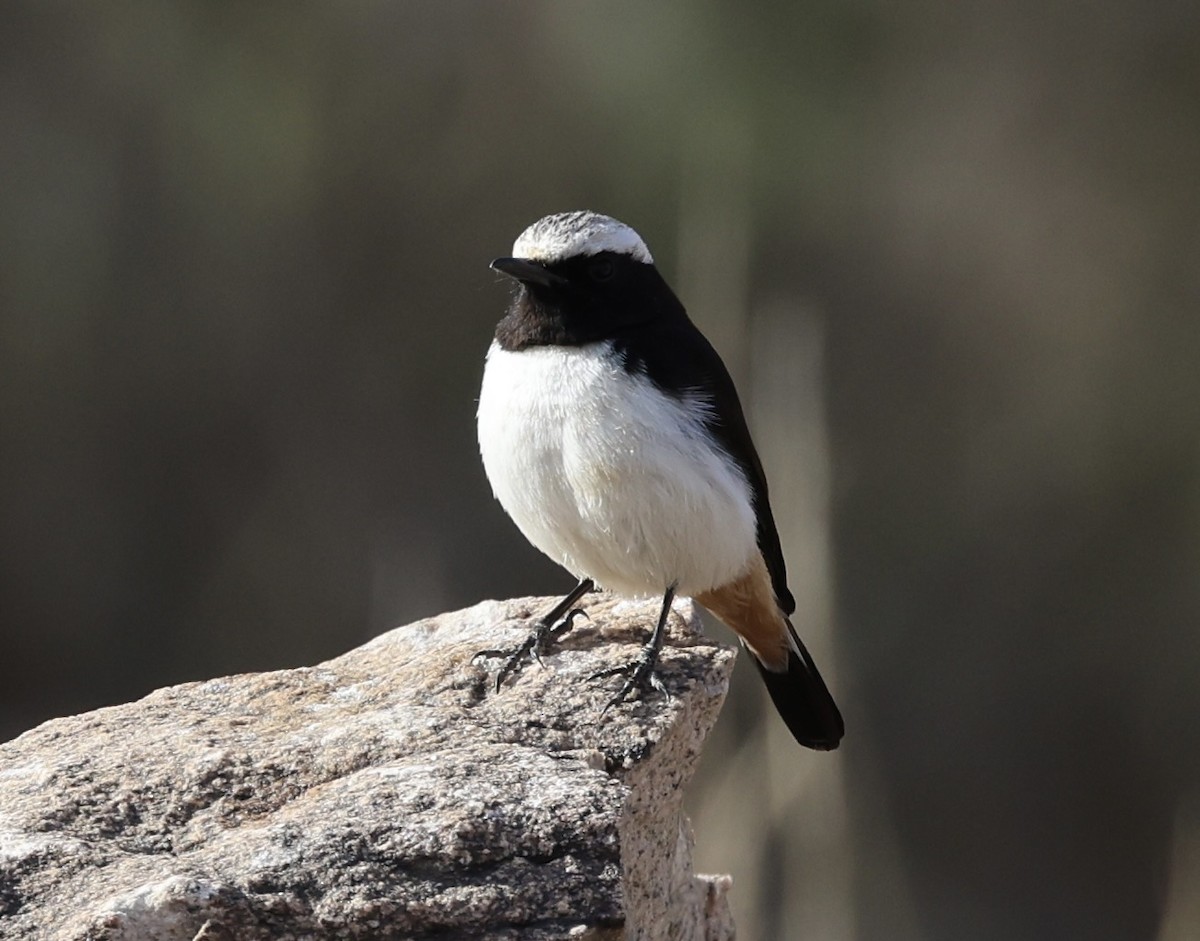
(389, 793)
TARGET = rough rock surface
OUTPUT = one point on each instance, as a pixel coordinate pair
(389, 793)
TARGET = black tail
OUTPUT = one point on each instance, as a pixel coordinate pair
(803, 699)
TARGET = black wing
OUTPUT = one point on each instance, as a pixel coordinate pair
(683, 362)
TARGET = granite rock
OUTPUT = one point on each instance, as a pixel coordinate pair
(389, 793)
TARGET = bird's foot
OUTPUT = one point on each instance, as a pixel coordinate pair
(640, 676)
(532, 647)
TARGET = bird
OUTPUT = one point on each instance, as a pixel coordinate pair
(613, 436)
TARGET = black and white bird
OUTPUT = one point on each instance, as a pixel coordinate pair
(613, 436)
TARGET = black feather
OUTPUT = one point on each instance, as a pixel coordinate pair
(803, 700)
(681, 362)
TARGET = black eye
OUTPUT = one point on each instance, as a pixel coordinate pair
(601, 270)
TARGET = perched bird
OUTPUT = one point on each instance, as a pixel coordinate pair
(613, 436)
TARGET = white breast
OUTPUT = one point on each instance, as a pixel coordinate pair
(610, 477)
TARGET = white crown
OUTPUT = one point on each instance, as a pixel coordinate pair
(570, 234)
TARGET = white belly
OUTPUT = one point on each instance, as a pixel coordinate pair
(610, 477)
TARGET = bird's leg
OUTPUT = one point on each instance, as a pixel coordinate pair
(553, 624)
(640, 673)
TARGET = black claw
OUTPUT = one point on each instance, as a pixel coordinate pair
(528, 648)
(565, 624)
(640, 676)
(532, 647)
(640, 673)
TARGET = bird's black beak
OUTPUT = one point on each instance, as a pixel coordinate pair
(528, 272)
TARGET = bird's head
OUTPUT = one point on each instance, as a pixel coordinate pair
(583, 277)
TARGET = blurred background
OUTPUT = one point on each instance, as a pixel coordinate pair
(951, 253)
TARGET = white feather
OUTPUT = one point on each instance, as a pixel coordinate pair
(569, 234)
(609, 476)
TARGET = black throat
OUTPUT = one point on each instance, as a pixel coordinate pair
(593, 298)
(534, 320)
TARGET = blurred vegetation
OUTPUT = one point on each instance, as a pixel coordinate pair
(950, 251)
